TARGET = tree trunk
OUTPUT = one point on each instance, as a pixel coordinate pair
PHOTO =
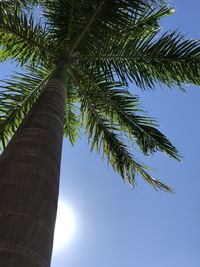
(29, 182)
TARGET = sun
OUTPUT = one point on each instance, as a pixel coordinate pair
(65, 226)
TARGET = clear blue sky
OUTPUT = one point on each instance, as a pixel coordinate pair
(120, 227)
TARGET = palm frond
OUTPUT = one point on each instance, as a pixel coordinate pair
(142, 21)
(19, 3)
(105, 137)
(173, 59)
(148, 19)
(71, 22)
(22, 38)
(170, 59)
(120, 106)
(58, 17)
(17, 97)
(72, 122)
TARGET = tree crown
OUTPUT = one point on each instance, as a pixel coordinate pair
(106, 45)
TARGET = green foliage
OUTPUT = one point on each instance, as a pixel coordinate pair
(16, 99)
(107, 45)
(22, 38)
(122, 108)
(169, 59)
(104, 108)
(72, 122)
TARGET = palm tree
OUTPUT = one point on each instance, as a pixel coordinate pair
(78, 61)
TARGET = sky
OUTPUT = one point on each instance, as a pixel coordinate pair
(118, 226)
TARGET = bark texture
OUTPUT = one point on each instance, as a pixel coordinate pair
(29, 183)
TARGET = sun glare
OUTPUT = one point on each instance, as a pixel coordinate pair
(65, 226)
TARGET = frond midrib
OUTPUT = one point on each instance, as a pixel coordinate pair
(138, 58)
(85, 29)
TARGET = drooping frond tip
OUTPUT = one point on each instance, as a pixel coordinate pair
(109, 112)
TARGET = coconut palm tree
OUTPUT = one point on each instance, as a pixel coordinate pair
(78, 60)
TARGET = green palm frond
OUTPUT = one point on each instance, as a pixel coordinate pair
(58, 18)
(173, 60)
(19, 3)
(75, 22)
(17, 97)
(149, 19)
(23, 39)
(106, 137)
(142, 21)
(121, 107)
(169, 59)
(72, 121)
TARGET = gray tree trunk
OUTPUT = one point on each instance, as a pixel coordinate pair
(29, 183)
